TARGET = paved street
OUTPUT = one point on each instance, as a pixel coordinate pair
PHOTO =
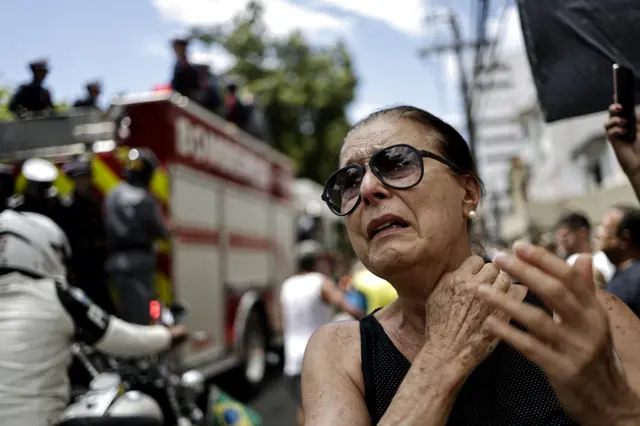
(275, 405)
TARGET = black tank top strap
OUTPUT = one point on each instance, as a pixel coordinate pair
(383, 366)
(368, 333)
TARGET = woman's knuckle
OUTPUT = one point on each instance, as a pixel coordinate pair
(477, 262)
(556, 290)
(489, 272)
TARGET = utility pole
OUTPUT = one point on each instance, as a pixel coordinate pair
(481, 36)
(458, 47)
(496, 210)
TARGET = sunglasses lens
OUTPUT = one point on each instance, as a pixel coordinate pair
(343, 189)
(398, 166)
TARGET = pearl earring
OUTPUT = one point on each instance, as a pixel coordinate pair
(473, 215)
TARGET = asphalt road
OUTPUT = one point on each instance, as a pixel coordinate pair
(275, 404)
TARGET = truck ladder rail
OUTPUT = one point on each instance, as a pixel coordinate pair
(52, 133)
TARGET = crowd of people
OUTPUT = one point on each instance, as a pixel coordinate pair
(422, 329)
(195, 81)
(92, 269)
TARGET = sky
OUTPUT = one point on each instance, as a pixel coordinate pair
(124, 43)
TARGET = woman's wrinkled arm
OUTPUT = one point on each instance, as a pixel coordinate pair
(625, 331)
(329, 394)
(427, 393)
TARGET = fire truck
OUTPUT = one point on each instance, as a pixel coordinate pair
(229, 197)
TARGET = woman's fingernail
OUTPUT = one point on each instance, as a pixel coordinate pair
(523, 248)
(498, 256)
(502, 259)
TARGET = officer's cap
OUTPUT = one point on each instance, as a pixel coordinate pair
(180, 41)
(39, 65)
(94, 84)
(77, 168)
(39, 170)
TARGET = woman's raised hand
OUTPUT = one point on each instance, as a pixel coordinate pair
(575, 350)
(455, 315)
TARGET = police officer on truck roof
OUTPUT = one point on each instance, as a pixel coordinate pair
(32, 97)
(84, 227)
(133, 222)
(39, 195)
(186, 78)
(94, 89)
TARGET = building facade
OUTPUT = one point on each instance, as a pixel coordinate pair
(571, 165)
(499, 135)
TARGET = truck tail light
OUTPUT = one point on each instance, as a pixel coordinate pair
(154, 310)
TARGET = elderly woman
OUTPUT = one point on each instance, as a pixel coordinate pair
(452, 349)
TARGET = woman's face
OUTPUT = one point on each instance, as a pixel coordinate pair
(435, 210)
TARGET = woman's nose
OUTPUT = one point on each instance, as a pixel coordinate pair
(372, 190)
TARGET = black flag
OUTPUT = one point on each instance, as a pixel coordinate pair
(572, 45)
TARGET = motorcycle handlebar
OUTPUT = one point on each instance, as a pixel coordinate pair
(78, 350)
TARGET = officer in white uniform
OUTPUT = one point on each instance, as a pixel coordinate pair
(42, 315)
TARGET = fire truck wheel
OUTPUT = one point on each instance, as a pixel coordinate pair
(254, 365)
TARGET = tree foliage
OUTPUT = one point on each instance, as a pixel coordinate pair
(303, 89)
(5, 97)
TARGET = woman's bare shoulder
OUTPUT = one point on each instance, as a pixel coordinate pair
(332, 383)
(339, 342)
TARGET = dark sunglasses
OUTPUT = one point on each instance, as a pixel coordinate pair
(397, 166)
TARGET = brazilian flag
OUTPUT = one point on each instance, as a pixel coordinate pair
(226, 411)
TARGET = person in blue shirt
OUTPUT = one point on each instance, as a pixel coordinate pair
(620, 241)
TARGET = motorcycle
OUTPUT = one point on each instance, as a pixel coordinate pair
(143, 392)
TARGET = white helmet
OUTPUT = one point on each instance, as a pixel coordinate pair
(33, 244)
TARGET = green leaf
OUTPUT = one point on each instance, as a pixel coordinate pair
(304, 89)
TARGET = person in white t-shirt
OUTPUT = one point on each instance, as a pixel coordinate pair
(308, 300)
(573, 235)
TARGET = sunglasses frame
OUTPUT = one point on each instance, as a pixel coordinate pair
(421, 152)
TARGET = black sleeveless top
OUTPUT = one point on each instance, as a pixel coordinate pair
(504, 390)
